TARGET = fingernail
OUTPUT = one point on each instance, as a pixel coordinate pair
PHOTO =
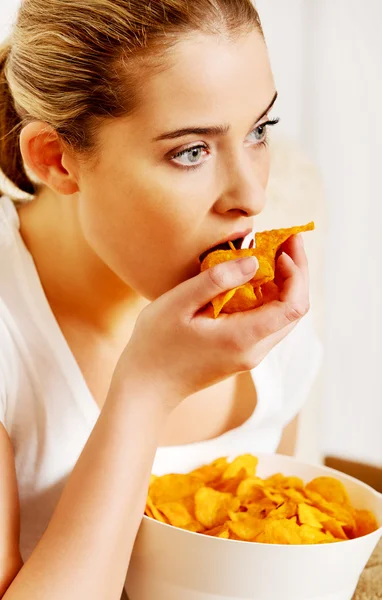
(301, 240)
(286, 256)
(247, 265)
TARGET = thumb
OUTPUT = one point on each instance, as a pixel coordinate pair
(200, 290)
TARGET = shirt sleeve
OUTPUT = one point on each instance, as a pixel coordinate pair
(300, 359)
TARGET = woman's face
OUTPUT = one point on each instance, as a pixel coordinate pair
(149, 207)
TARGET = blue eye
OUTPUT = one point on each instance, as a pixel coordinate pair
(192, 154)
(261, 131)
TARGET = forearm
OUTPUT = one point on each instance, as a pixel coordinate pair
(85, 550)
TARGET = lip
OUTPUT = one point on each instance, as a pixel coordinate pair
(233, 236)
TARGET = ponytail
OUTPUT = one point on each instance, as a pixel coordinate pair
(11, 162)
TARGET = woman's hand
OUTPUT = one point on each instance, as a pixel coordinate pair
(179, 348)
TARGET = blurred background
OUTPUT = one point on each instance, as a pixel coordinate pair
(326, 57)
(328, 165)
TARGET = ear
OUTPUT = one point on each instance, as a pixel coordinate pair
(46, 156)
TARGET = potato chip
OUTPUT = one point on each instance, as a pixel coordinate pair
(237, 515)
(251, 295)
(149, 512)
(222, 300)
(334, 527)
(279, 531)
(268, 242)
(246, 528)
(296, 495)
(209, 473)
(246, 462)
(280, 481)
(339, 512)
(154, 511)
(287, 510)
(171, 487)
(211, 507)
(231, 485)
(274, 495)
(309, 515)
(330, 489)
(244, 298)
(189, 503)
(220, 531)
(194, 526)
(268, 292)
(261, 509)
(365, 522)
(250, 490)
(218, 256)
(312, 535)
(274, 480)
(229, 501)
(177, 514)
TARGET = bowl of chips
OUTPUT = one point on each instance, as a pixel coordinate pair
(264, 527)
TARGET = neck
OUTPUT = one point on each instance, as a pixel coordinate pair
(77, 283)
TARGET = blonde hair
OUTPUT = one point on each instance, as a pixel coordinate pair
(73, 63)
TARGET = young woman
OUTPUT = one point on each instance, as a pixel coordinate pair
(139, 129)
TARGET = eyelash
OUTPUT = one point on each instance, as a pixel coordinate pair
(264, 144)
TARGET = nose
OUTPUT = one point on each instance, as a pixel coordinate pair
(243, 188)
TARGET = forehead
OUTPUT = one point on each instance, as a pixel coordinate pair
(208, 76)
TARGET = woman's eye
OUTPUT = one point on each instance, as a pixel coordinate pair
(189, 157)
(260, 133)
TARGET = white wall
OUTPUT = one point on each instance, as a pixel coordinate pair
(279, 18)
(326, 57)
(8, 9)
(346, 138)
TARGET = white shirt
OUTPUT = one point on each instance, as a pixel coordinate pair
(49, 412)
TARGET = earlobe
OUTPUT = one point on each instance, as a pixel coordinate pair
(44, 153)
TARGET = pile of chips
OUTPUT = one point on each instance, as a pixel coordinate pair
(252, 294)
(228, 500)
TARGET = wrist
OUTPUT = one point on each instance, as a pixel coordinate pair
(155, 393)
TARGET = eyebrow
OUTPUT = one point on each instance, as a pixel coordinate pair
(213, 130)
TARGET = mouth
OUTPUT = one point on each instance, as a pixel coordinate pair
(238, 242)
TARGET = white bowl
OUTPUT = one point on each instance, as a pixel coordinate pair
(173, 564)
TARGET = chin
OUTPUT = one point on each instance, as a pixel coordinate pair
(169, 280)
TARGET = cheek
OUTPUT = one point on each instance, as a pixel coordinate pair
(264, 170)
(138, 228)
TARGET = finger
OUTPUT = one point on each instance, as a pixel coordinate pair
(264, 346)
(294, 246)
(270, 291)
(294, 287)
(273, 317)
(206, 311)
(195, 293)
(267, 325)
